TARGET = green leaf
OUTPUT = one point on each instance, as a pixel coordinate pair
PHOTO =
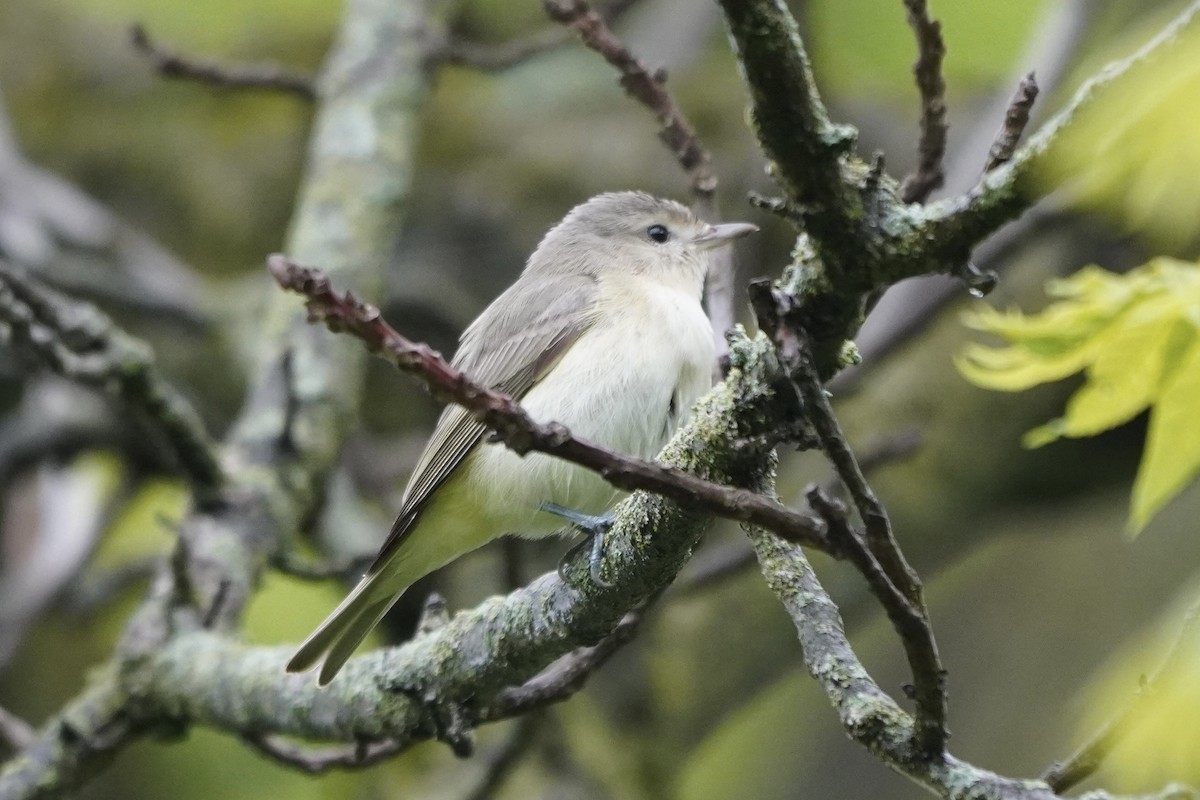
(1136, 338)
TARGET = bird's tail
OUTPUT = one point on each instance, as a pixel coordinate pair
(344, 630)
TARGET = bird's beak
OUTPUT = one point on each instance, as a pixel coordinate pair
(717, 235)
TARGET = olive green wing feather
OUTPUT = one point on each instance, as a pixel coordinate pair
(508, 348)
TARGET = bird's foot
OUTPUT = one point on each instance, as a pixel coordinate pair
(595, 528)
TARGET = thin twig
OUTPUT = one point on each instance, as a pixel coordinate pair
(931, 149)
(714, 567)
(502, 414)
(77, 341)
(269, 77)
(649, 88)
(1062, 775)
(317, 760)
(502, 56)
(1015, 120)
(567, 675)
(514, 52)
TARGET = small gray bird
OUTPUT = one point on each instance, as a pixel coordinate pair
(602, 332)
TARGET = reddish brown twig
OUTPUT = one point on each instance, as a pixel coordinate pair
(646, 87)
(931, 148)
(649, 89)
(502, 414)
(268, 77)
(1015, 120)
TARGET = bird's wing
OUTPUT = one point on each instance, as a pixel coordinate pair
(509, 348)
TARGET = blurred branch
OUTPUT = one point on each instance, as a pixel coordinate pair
(289, 563)
(931, 49)
(514, 52)
(93, 591)
(318, 760)
(343, 312)
(256, 77)
(70, 241)
(279, 460)
(78, 342)
(649, 89)
(1015, 120)
(15, 733)
(1063, 775)
(504, 760)
(502, 56)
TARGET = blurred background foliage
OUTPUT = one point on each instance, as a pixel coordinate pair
(1046, 614)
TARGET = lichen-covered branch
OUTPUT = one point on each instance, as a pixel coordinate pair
(292, 426)
(858, 237)
(479, 665)
(868, 714)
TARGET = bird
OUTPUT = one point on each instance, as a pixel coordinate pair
(603, 332)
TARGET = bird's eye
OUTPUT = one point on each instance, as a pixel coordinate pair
(658, 233)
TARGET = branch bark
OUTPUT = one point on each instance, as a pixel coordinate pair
(290, 432)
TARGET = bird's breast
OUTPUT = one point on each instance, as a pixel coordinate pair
(626, 383)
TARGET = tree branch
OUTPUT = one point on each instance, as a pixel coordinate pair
(1015, 120)
(318, 760)
(464, 669)
(567, 675)
(503, 415)
(931, 49)
(649, 89)
(506, 55)
(278, 459)
(868, 714)
(876, 555)
(958, 224)
(15, 733)
(257, 77)
(77, 341)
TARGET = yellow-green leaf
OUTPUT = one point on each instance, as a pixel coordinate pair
(1136, 338)
(1172, 456)
(1133, 153)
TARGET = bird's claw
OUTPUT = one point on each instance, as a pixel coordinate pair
(595, 527)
